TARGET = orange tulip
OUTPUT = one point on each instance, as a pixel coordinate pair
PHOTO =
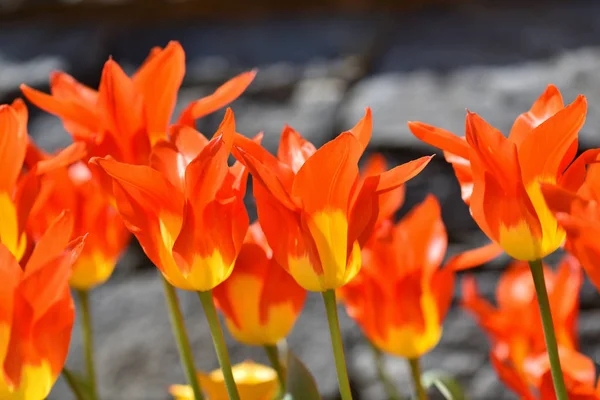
(72, 188)
(186, 209)
(312, 206)
(128, 115)
(515, 327)
(535, 381)
(579, 214)
(500, 176)
(401, 295)
(18, 190)
(272, 300)
(254, 382)
(36, 313)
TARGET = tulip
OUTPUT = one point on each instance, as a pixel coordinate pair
(186, 208)
(402, 294)
(515, 326)
(272, 300)
(316, 212)
(36, 313)
(254, 381)
(187, 211)
(72, 188)
(18, 190)
(128, 115)
(313, 210)
(500, 179)
(500, 176)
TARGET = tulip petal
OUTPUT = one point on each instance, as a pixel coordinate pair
(474, 258)
(158, 81)
(189, 142)
(221, 97)
(265, 168)
(78, 117)
(440, 138)
(548, 104)
(13, 145)
(550, 145)
(326, 179)
(294, 150)
(363, 129)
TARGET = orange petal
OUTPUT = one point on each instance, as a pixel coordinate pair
(294, 150)
(150, 186)
(52, 243)
(120, 105)
(576, 173)
(67, 156)
(442, 287)
(266, 169)
(399, 175)
(221, 97)
(158, 81)
(557, 198)
(52, 332)
(474, 258)
(363, 129)
(71, 112)
(546, 148)
(226, 130)
(464, 174)
(166, 159)
(391, 201)
(21, 109)
(326, 179)
(548, 104)
(189, 142)
(423, 232)
(13, 145)
(10, 274)
(511, 377)
(440, 138)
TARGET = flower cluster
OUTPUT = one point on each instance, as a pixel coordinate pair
(324, 225)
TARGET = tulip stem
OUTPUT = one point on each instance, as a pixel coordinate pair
(537, 271)
(181, 338)
(78, 392)
(88, 342)
(390, 390)
(206, 298)
(336, 344)
(415, 371)
(273, 355)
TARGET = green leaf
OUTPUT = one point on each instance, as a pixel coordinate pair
(446, 384)
(300, 384)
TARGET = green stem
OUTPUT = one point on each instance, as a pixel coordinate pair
(88, 342)
(537, 271)
(415, 371)
(181, 337)
(78, 392)
(206, 298)
(390, 390)
(336, 344)
(273, 354)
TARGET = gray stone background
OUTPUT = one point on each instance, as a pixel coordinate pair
(317, 73)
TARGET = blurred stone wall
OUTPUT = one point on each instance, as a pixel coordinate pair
(317, 72)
